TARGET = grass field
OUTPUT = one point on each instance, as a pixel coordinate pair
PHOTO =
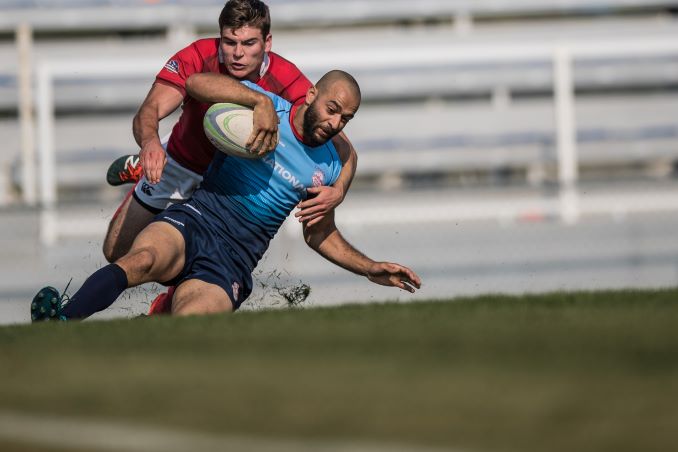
(555, 372)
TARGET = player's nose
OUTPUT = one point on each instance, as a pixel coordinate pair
(335, 122)
(239, 51)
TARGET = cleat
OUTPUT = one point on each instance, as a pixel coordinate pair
(162, 303)
(47, 305)
(124, 170)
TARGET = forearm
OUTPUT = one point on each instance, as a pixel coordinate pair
(145, 126)
(212, 88)
(159, 103)
(330, 244)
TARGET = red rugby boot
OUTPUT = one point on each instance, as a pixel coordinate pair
(162, 303)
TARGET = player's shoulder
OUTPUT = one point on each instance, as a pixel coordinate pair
(204, 47)
(282, 68)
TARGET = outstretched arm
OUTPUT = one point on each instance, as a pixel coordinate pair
(323, 200)
(326, 240)
(212, 88)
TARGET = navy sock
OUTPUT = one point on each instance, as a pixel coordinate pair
(98, 292)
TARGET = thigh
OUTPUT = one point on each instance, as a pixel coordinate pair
(130, 219)
(157, 254)
(193, 297)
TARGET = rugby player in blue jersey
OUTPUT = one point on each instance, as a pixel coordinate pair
(209, 246)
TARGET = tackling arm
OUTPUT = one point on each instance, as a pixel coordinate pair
(325, 199)
(211, 88)
(159, 103)
(326, 240)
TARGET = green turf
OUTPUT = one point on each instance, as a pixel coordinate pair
(556, 372)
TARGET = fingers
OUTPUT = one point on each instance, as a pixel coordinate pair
(272, 141)
(401, 277)
(264, 136)
(153, 163)
(311, 219)
(262, 142)
(411, 277)
(315, 220)
(405, 286)
(310, 209)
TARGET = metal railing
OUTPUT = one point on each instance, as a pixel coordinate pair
(560, 55)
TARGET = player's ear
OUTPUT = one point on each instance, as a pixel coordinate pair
(268, 43)
(311, 94)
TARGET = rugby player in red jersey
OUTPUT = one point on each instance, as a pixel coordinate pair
(173, 168)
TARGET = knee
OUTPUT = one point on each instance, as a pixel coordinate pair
(140, 262)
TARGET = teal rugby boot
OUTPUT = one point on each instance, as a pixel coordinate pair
(47, 305)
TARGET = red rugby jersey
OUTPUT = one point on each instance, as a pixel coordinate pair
(188, 144)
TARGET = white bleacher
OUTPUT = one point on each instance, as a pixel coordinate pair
(414, 64)
(134, 15)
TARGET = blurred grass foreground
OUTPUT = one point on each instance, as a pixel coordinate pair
(593, 371)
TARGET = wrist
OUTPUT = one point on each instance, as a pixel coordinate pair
(153, 140)
(261, 99)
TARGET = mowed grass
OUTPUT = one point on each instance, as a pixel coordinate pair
(555, 372)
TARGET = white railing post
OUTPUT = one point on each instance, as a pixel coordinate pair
(566, 135)
(24, 42)
(48, 195)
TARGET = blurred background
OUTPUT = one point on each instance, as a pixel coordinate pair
(504, 146)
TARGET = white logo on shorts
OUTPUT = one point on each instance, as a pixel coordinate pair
(236, 288)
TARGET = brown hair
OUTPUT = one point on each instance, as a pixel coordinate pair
(239, 13)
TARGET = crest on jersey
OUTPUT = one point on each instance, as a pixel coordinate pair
(172, 66)
(318, 178)
(236, 290)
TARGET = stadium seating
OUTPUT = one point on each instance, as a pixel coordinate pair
(458, 54)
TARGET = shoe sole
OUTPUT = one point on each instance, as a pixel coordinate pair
(114, 170)
(45, 305)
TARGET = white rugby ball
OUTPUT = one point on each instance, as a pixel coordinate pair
(228, 127)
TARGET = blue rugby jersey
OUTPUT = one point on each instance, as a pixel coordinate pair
(264, 191)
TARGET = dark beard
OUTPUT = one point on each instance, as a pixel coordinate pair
(310, 120)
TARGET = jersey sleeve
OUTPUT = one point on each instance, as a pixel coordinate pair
(180, 66)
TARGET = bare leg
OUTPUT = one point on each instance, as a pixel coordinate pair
(130, 220)
(156, 255)
(198, 297)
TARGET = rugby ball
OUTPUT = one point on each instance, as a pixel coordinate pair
(228, 127)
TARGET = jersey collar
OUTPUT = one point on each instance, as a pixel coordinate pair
(293, 113)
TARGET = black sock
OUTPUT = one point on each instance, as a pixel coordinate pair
(98, 292)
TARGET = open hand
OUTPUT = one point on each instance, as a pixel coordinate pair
(389, 274)
(153, 159)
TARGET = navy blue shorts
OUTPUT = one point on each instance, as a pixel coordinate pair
(210, 256)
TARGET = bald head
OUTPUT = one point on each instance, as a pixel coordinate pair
(329, 106)
(346, 81)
